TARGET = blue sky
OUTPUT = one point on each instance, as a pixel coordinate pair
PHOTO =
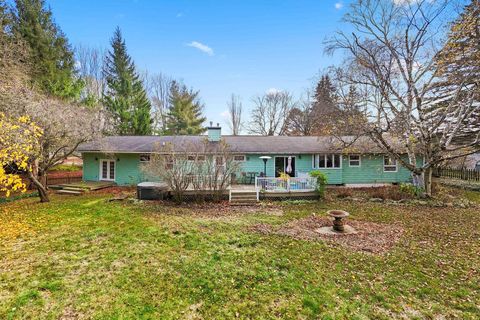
(218, 47)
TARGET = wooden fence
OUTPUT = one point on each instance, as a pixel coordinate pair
(62, 180)
(463, 174)
(54, 179)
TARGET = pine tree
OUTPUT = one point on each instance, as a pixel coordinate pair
(185, 114)
(325, 110)
(125, 96)
(52, 61)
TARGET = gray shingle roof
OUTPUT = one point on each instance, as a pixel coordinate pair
(238, 144)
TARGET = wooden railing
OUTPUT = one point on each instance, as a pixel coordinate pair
(285, 185)
(463, 174)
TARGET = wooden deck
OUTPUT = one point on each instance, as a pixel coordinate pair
(78, 188)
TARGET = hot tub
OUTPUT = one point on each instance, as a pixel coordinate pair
(151, 190)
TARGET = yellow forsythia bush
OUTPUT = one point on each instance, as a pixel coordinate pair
(18, 139)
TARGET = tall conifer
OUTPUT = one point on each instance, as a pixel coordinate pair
(52, 60)
(125, 96)
(185, 114)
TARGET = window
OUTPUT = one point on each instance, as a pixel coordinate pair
(169, 161)
(196, 158)
(144, 157)
(239, 158)
(354, 160)
(327, 161)
(389, 164)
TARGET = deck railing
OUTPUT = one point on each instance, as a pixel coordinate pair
(285, 185)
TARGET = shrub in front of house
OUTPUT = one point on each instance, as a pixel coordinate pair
(321, 181)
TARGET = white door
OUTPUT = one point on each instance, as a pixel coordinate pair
(107, 170)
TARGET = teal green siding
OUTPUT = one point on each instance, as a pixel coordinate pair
(128, 170)
(371, 171)
(127, 167)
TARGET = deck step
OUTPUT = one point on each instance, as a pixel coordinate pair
(69, 192)
(246, 196)
(243, 198)
(244, 203)
(74, 189)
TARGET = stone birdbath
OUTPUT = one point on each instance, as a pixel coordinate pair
(338, 223)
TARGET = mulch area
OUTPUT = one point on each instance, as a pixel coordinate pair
(370, 237)
(117, 191)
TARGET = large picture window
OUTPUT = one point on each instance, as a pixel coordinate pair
(389, 164)
(327, 161)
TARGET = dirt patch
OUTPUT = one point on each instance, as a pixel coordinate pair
(117, 191)
(370, 237)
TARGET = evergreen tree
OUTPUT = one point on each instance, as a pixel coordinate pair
(325, 109)
(52, 62)
(185, 113)
(125, 96)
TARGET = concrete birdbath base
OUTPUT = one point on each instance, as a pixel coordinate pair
(339, 226)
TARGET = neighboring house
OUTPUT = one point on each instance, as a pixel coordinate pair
(118, 158)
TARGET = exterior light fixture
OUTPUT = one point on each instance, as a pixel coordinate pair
(265, 159)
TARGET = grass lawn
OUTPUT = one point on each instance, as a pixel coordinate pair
(83, 257)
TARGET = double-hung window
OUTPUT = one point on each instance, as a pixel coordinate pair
(327, 161)
(354, 160)
(389, 164)
(239, 158)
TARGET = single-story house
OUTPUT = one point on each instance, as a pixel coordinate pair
(118, 158)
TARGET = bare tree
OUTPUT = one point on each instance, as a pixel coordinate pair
(235, 114)
(197, 166)
(90, 64)
(300, 121)
(391, 52)
(269, 116)
(159, 92)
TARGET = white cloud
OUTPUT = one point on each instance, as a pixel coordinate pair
(225, 114)
(338, 5)
(179, 15)
(202, 47)
(273, 91)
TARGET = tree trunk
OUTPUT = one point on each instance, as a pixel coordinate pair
(42, 190)
(427, 181)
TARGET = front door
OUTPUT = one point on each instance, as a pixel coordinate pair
(107, 170)
(285, 165)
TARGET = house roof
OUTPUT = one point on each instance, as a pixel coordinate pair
(238, 144)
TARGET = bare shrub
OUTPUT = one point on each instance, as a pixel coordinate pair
(205, 168)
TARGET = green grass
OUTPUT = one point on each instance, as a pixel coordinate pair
(82, 257)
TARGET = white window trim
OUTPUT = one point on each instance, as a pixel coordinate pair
(359, 161)
(332, 168)
(100, 167)
(240, 155)
(395, 165)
